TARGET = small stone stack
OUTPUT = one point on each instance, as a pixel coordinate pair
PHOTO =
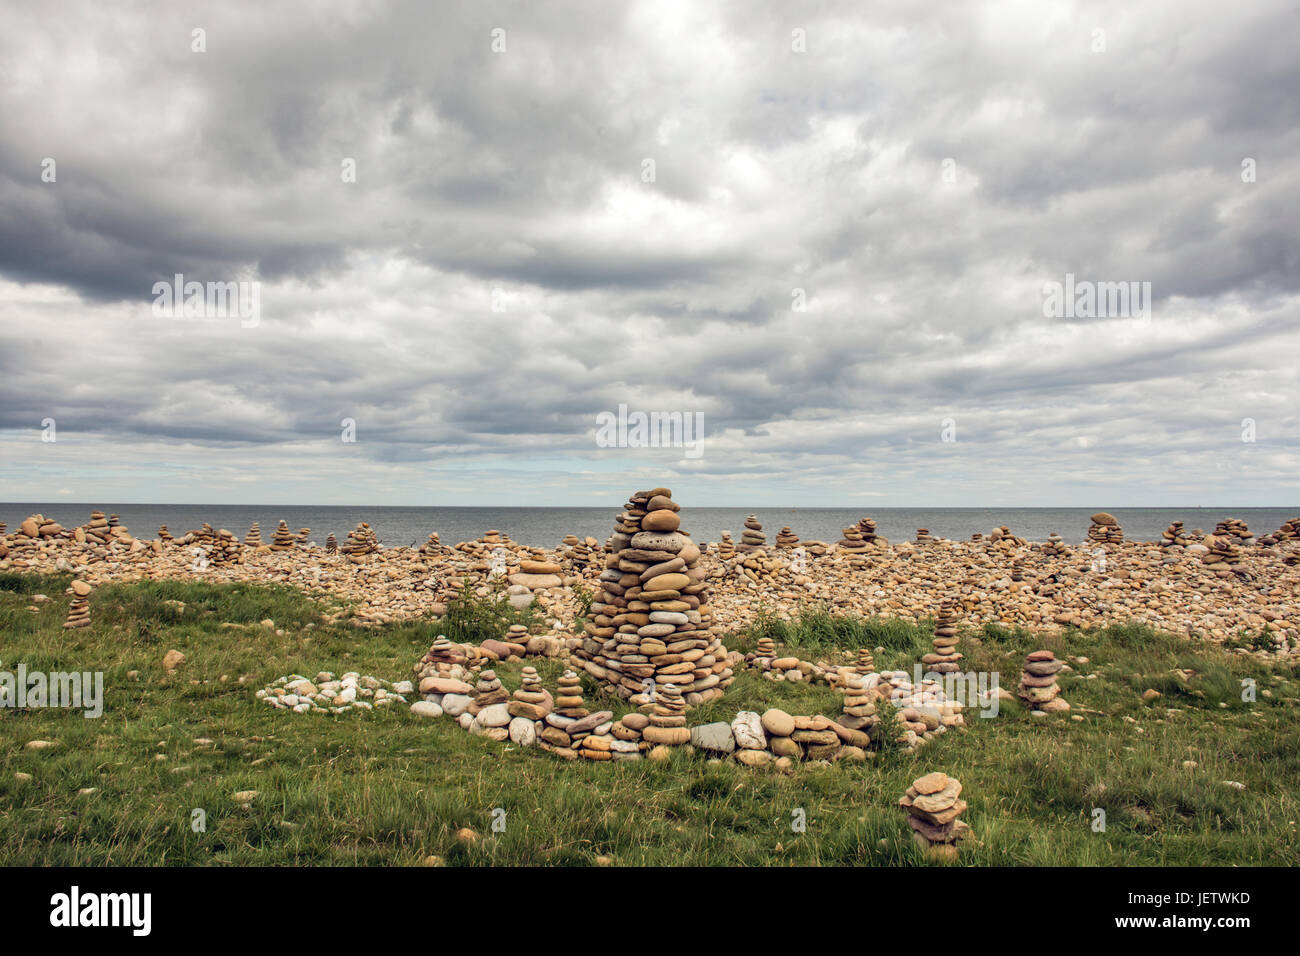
(651, 618)
(752, 538)
(1235, 530)
(163, 534)
(331, 544)
(304, 537)
(866, 663)
(531, 701)
(944, 658)
(977, 536)
(1038, 688)
(432, 546)
(1289, 531)
(1054, 545)
(867, 528)
(853, 542)
(1174, 536)
(933, 804)
(79, 610)
(254, 537)
(225, 549)
(361, 541)
(1105, 529)
(667, 725)
(1002, 536)
(1223, 555)
(859, 710)
(282, 539)
(726, 547)
(487, 691)
(98, 530)
(568, 697)
(785, 538)
(923, 536)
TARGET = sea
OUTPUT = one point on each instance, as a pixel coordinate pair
(546, 527)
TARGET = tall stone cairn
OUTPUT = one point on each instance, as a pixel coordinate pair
(945, 656)
(282, 539)
(1105, 529)
(79, 610)
(254, 537)
(331, 544)
(650, 620)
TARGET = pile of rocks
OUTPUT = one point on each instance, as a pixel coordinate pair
(1174, 536)
(1222, 555)
(1290, 531)
(362, 541)
(1038, 688)
(867, 529)
(336, 695)
(331, 544)
(1235, 530)
(785, 538)
(282, 539)
(97, 530)
(943, 659)
(752, 538)
(433, 546)
(924, 710)
(726, 547)
(933, 804)
(304, 537)
(225, 549)
(254, 537)
(1054, 545)
(853, 542)
(1105, 529)
(650, 620)
(79, 610)
(1003, 537)
(923, 536)
(667, 726)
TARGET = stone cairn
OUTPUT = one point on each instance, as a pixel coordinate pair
(304, 537)
(1038, 688)
(785, 538)
(726, 547)
(529, 704)
(859, 713)
(943, 659)
(1223, 555)
(433, 546)
(923, 536)
(163, 534)
(282, 539)
(866, 663)
(1105, 529)
(650, 620)
(225, 549)
(853, 542)
(331, 544)
(667, 725)
(933, 804)
(1290, 531)
(1002, 536)
(752, 538)
(254, 537)
(1174, 536)
(362, 541)
(79, 610)
(1054, 545)
(98, 529)
(1236, 531)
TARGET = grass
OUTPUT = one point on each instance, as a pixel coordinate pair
(389, 788)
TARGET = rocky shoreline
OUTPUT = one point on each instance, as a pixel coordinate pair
(1222, 585)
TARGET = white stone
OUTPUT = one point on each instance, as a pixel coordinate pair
(426, 708)
(456, 704)
(495, 715)
(523, 732)
(747, 728)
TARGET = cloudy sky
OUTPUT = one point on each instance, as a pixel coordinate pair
(826, 227)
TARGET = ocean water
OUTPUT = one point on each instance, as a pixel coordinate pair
(546, 527)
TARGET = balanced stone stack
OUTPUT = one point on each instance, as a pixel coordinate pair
(1289, 531)
(282, 539)
(530, 704)
(1105, 529)
(1054, 545)
(1002, 536)
(254, 537)
(568, 697)
(866, 663)
(933, 804)
(650, 620)
(726, 547)
(163, 534)
(785, 538)
(1235, 530)
(923, 536)
(1174, 536)
(867, 527)
(304, 536)
(433, 546)
(859, 711)
(944, 659)
(752, 538)
(225, 549)
(487, 691)
(853, 542)
(1038, 687)
(667, 725)
(361, 541)
(97, 530)
(1223, 555)
(331, 544)
(79, 610)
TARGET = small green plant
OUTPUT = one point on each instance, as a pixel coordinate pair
(471, 619)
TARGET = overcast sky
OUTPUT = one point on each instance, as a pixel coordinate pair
(501, 272)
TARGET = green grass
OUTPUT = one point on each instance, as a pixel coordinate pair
(388, 788)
